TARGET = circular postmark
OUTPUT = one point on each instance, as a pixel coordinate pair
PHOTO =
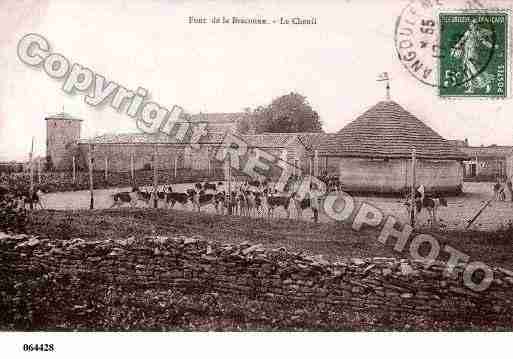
(441, 46)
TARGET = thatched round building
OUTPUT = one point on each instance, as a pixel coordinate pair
(373, 153)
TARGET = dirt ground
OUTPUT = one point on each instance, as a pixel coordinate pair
(333, 241)
(453, 217)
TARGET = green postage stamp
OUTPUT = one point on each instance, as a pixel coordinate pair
(474, 54)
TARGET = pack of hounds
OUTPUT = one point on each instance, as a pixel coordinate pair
(250, 198)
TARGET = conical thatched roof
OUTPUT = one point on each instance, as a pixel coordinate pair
(389, 131)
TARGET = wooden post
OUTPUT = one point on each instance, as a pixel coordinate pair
(39, 170)
(176, 163)
(477, 166)
(31, 190)
(132, 166)
(412, 203)
(74, 169)
(155, 176)
(316, 163)
(230, 183)
(172, 162)
(106, 168)
(91, 204)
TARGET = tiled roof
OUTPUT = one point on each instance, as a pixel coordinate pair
(387, 130)
(62, 116)
(269, 140)
(218, 124)
(214, 135)
(279, 140)
(488, 151)
(312, 140)
(218, 117)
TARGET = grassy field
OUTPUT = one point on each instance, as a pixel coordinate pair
(331, 240)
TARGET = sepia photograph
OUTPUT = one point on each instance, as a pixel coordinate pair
(196, 172)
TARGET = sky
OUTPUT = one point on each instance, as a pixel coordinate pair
(222, 67)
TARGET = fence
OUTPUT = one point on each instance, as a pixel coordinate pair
(63, 181)
(146, 165)
(9, 168)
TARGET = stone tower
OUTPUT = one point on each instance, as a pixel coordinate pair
(62, 134)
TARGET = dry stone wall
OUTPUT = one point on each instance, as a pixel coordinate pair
(250, 270)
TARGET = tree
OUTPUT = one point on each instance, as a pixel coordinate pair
(245, 124)
(288, 113)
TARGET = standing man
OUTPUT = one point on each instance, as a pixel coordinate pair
(496, 188)
(502, 193)
(314, 202)
(509, 186)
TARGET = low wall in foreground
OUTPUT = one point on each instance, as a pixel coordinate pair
(392, 285)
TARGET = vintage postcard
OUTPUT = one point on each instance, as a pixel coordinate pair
(253, 166)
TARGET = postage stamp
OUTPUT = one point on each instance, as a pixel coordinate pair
(473, 54)
(461, 50)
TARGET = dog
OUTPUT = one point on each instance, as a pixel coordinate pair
(275, 201)
(130, 198)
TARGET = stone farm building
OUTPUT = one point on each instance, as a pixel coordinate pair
(370, 154)
(486, 163)
(119, 152)
(295, 148)
(62, 135)
(373, 153)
